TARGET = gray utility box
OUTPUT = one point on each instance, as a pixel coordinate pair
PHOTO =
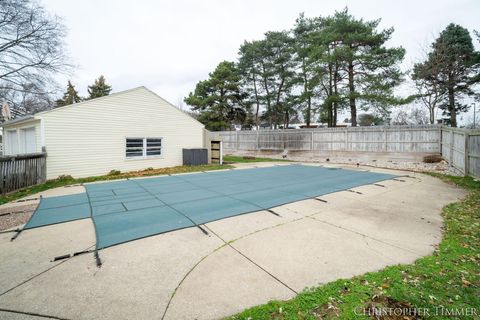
(193, 157)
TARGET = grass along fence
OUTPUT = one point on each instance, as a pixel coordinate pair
(21, 171)
(459, 147)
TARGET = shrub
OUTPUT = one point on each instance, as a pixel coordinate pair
(64, 177)
(114, 173)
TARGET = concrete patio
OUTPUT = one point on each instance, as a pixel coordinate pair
(246, 260)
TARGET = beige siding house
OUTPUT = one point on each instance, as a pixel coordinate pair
(129, 130)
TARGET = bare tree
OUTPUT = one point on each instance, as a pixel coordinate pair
(430, 95)
(31, 51)
(419, 116)
(425, 76)
(401, 118)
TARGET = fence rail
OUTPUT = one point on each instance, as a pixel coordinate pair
(461, 148)
(21, 171)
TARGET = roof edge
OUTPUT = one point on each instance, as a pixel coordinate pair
(173, 106)
(18, 120)
(88, 101)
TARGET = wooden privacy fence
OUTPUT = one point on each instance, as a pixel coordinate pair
(21, 171)
(461, 148)
(425, 139)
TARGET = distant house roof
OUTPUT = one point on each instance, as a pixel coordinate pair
(17, 120)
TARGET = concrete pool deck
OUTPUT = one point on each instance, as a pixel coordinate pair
(247, 260)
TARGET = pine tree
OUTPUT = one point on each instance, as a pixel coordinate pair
(372, 69)
(219, 98)
(69, 97)
(99, 89)
(453, 65)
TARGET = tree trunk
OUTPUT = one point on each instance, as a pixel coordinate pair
(306, 91)
(269, 105)
(451, 102)
(432, 115)
(335, 92)
(351, 88)
(451, 107)
(330, 91)
(256, 100)
(335, 112)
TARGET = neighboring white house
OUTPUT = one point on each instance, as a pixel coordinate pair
(129, 130)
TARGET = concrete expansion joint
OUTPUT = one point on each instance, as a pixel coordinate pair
(225, 244)
(364, 235)
(365, 239)
(41, 273)
(254, 263)
(187, 274)
(32, 314)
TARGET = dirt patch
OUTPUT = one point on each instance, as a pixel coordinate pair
(326, 311)
(387, 308)
(432, 158)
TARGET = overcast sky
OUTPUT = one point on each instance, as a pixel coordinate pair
(168, 46)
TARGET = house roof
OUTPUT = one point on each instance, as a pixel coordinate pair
(18, 120)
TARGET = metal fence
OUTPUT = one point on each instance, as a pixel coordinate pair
(461, 148)
(21, 171)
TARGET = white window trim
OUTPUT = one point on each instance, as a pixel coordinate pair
(144, 155)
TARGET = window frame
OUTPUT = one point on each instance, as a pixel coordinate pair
(145, 148)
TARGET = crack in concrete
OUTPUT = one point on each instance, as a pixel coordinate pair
(33, 314)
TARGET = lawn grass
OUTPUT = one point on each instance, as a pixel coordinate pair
(449, 278)
(240, 159)
(68, 180)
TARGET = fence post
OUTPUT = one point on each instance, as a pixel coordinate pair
(466, 154)
(311, 144)
(236, 141)
(385, 144)
(258, 139)
(346, 138)
(440, 141)
(452, 139)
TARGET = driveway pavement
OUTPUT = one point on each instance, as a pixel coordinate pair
(246, 260)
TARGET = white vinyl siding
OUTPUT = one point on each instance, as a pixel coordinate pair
(143, 147)
(89, 138)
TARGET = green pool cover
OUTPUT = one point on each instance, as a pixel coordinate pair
(132, 209)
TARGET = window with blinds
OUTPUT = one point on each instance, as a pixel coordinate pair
(143, 147)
